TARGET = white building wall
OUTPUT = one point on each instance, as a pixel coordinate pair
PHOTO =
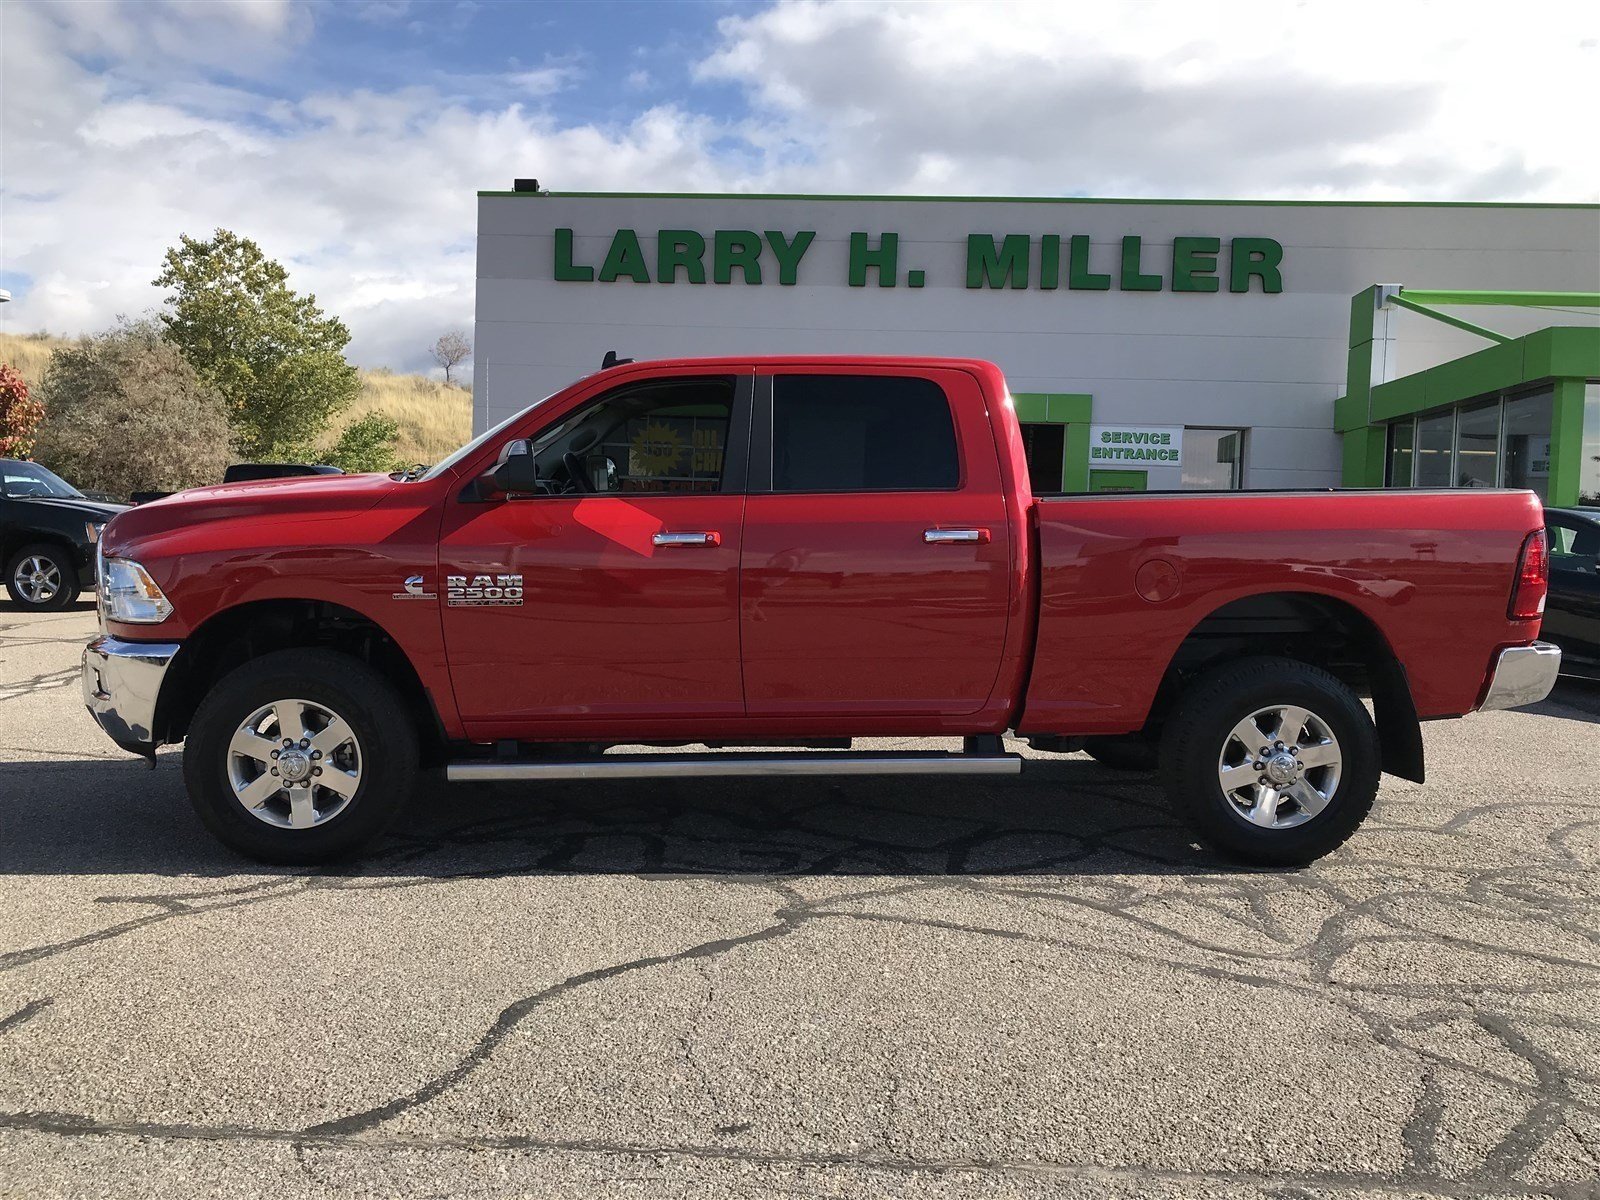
(1269, 363)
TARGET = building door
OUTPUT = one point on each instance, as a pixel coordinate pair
(1045, 447)
(611, 599)
(1118, 481)
(876, 576)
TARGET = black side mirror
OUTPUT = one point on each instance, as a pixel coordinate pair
(517, 472)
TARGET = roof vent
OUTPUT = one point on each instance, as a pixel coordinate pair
(525, 185)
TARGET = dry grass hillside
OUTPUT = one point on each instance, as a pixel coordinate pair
(433, 419)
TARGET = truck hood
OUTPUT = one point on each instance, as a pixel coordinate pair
(90, 510)
(306, 498)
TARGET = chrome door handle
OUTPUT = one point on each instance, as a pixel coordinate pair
(935, 537)
(707, 538)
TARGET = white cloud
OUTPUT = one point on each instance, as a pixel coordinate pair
(369, 196)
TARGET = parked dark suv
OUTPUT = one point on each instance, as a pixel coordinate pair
(48, 531)
(1572, 613)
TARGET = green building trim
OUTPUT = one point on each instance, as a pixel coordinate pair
(1072, 409)
(1563, 358)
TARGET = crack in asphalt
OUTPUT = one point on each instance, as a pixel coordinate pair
(1109, 883)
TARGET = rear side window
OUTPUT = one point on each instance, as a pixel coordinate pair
(861, 433)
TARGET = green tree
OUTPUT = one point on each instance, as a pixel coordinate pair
(275, 356)
(125, 412)
(366, 444)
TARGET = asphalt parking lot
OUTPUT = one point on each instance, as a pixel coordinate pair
(1035, 987)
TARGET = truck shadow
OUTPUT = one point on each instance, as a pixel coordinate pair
(1066, 816)
(1572, 700)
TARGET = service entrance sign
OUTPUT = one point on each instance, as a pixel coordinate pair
(1136, 445)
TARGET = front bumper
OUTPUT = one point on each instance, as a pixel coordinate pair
(121, 683)
(1522, 675)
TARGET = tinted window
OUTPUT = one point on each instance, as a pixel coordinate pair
(663, 436)
(861, 433)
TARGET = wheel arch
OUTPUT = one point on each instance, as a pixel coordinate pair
(244, 631)
(1323, 630)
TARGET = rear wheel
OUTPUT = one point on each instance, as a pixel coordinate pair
(42, 577)
(1274, 761)
(300, 756)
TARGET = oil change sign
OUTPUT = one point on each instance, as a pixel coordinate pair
(1136, 445)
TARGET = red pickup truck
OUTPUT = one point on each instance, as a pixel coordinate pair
(786, 554)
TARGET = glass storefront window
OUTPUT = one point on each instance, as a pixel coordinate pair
(1527, 443)
(1402, 439)
(1589, 463)
(1478, 445)
(1213, 459)
(1435, 436)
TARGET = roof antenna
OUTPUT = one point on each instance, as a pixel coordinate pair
(611, 360)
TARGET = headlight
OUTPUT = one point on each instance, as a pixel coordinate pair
(91, 530)
(130, 594)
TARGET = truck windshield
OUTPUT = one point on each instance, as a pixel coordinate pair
(24, 479)
(446, 465)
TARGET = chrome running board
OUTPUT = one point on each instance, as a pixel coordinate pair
(704, 766)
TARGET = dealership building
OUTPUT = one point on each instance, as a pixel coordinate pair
(1149, 344)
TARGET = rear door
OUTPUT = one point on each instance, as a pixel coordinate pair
(875, 572)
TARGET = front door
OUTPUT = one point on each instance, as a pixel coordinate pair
(876, 571)
(608, 603)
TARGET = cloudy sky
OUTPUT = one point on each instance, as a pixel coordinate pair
(349, 138)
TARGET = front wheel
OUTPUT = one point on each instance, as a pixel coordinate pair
(42, 577)
(300, 756)
(1272, 760)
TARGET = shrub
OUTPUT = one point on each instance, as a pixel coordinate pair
(125, 412)
(20, 415)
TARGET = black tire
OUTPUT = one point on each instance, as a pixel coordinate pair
(1193, 747)
(57, 557)
(367, 702)
(1130, 753)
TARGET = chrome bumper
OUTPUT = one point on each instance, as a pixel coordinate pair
(1522, 675)
(121, 683)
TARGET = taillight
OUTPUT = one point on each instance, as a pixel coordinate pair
(1533, 579)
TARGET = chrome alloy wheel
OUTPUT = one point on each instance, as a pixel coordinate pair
(1280, 766)
(294, 764)
(37, 578)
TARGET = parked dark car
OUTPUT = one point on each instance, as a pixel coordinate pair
(48, 531)
(255, 472)
(1572, 613)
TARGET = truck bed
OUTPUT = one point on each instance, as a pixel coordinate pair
(1125, 578)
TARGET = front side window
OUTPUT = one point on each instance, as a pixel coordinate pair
(862, 433)
(23, 479)
(667, 435)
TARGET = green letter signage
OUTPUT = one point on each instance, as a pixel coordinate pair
(1193, 260)
(565, 271)
(1002, 266)
(680, 248)
(1256, 256)
(1132, 278)
(885, 258)
(789, 253)
(736, 248)
(624, 258)
(993, 261)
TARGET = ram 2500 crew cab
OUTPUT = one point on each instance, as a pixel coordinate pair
(791, 553)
